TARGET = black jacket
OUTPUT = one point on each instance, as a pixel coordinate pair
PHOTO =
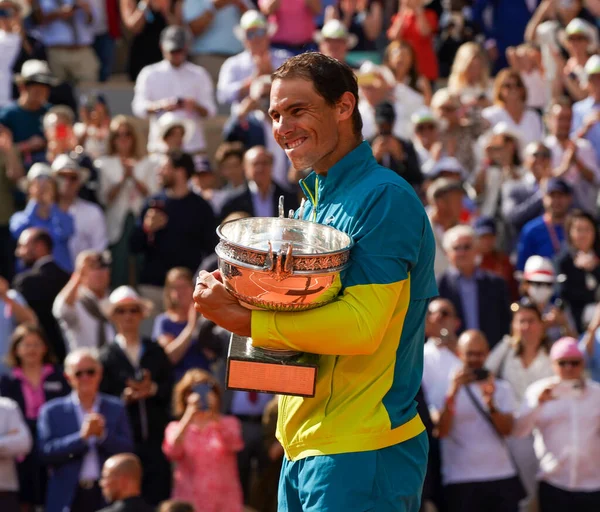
(118, 369)
(409, 168)
(493, 300)
(134, 504)
(242, 202)
(40, 286)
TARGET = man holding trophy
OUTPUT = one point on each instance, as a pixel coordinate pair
(358, 444)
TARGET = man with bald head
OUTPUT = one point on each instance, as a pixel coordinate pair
(121, 484)
(261, 196)
(473, 418)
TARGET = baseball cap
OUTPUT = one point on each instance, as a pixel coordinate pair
(442, 186)
(484, 226)
(592, 66)
(385, 113)
(558, 185)
(565, 348)
(174, 38)
(423, 115)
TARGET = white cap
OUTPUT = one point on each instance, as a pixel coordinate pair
(253, 19)
(64, 162)
(335, 29)
(540, 269)
(125, 295)
(592, 66)
(39, 170)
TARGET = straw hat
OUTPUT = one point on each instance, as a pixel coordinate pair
(253, 19)
(335, 29)
(125, 295)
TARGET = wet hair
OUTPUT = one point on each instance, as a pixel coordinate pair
(330, 78)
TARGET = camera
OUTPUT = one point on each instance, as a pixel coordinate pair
(481, 373)
(202, 389)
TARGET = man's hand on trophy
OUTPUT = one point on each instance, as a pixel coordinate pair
(212, 300)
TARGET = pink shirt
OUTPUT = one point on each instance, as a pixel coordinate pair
(34, 397)
(295, 22)
(206, 472)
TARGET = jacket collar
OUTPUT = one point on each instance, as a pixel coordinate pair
(339, 176)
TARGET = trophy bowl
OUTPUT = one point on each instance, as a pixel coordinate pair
(282, 264)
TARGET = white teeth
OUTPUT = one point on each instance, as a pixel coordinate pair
(295, 144)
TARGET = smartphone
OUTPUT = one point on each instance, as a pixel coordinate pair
(157, 204)
(203, 389)
(481, 373)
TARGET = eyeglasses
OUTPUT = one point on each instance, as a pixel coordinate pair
(88, 372)
(540, 284)
(464, 247)
(541, 154)
(577, 37)
(425, 127)
(256, 33)
(572, 363)
(131, 311)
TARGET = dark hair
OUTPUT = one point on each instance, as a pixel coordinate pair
(19, 334)
(330, 78)
(413, 73)
(42, 236)
(181, 160)
(229, 149)
(175, 506)
(580, 214)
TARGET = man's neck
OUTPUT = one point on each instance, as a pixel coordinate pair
(26, 105)
(451, 344)
(131, 338)
(347, 143)
(87, 401)
(445, 221)
(178, 191)
(264, 189)
(557, 218)
(65, 203)
(467, 272)
(129, 493)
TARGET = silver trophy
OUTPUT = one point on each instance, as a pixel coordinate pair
(278, 264)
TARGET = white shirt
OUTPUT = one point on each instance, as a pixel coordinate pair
(90, 228)
(439, 363)
(281, 163)
(15, 441)
(496, 185)
(10, 46)
(585, 193)
(133, 352)
(78, 326)
(90, 466)
(162, 81)
(529, 129)
(504, 359)
(538, 89)
(129, 199)
(566, 432)
(472, 451)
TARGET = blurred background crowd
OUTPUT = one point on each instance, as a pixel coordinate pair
(130, 129)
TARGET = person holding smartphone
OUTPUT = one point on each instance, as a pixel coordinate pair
(473, 420)
(563, 412)
(203, 444)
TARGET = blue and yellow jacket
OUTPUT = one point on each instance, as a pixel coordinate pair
(370, 338)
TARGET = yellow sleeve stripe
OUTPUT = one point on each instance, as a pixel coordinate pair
(354, 324)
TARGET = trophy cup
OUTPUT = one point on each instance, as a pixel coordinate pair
(278, 264)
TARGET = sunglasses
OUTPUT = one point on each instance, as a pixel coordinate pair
(69, 177)
(540, 284)
(571, 363)
(541, 154)
(465, 247)
(425, 127)
(123, 311)
(256, 33)
(577, 37)
(88, 372)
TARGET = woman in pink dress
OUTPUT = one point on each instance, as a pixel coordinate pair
(203, 444)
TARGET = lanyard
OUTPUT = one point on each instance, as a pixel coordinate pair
(552, 233)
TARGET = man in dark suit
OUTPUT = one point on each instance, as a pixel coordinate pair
(121, 484)
(480, 298)
(261, 196)
(40, 284)
(77, 433)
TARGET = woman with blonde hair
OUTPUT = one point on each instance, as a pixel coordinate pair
(126, 180)
(203, 444)
(510, 107)
(470, 75)
(177, 329)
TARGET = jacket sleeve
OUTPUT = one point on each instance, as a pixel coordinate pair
(139, 240)
(518, 212)
(355, 323)
(17, 441)
(54, 449)
(121, 440)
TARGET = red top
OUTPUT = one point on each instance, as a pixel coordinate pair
(427, 64)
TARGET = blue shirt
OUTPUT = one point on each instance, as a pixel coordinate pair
(193, 357)
(581, 110)
(535, 239)
(23, 125)
(592, 363)
(59, 225)
(218, 37)
(467, 288)
(241, 404)
(75, 32)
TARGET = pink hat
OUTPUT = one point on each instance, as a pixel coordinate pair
(565, 348)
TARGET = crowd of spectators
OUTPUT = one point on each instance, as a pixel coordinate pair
(111, 383)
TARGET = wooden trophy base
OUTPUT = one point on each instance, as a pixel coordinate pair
(255, 369)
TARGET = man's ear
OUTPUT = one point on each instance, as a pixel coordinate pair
(345, 106)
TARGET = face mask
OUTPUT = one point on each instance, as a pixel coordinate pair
(540, 294)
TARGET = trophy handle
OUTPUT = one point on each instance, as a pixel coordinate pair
(280, 265)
